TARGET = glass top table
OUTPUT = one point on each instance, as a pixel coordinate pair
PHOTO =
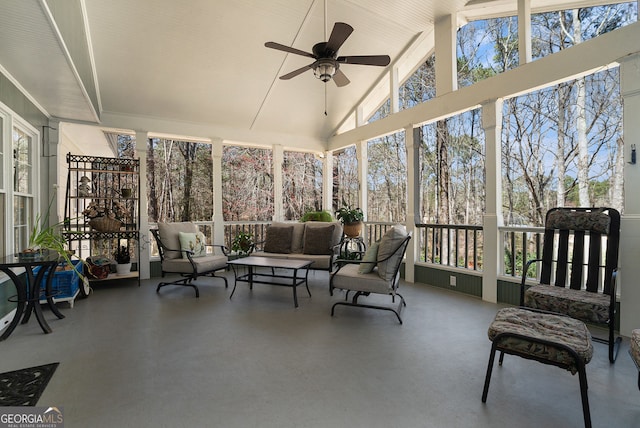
(269, 276)
(28, 287)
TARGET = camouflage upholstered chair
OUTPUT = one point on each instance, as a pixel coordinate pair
(578, 268)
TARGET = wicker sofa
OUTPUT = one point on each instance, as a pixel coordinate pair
(315, 241)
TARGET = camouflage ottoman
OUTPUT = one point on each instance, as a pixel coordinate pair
(546, 337)
(634, 350)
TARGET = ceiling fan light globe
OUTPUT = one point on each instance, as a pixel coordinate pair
(324, 70)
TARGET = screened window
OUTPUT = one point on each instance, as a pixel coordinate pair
(387, 179)
(180, 180)
(562, 146)
(345, 178)
(452, 170)
(301, 184)
(247, 184)
(486, 48)
(554, 31)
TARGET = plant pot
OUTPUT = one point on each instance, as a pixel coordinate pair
(123, 268)
(105, 224)
(352, 230)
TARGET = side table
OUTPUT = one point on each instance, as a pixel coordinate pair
(28, 297)
(352, 248)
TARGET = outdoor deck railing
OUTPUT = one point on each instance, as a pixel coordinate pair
(451, 245)
(459, 246)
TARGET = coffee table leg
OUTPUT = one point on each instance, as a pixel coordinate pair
(306, 282)
(235, 281)
(295, 282)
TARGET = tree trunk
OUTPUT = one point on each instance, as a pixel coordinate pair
(581, 123)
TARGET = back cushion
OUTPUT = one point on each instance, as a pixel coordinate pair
(336, 237)
(297, 239)
(278, 239)
(388, 246)
(194, 242)
(170, 236)
(319, 238)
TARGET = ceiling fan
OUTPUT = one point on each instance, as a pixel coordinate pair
(327, 62)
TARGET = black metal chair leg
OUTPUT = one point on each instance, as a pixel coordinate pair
(487, 378)
(583, 393)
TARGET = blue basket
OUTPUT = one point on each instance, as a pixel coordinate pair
(65, 283)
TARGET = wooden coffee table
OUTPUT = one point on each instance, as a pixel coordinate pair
(269, 276)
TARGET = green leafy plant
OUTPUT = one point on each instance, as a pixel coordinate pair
(349, 215)
(316, 216)
(49, 237)
(242, 243)
(122, 255)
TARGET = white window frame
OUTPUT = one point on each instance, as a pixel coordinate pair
(11, 120)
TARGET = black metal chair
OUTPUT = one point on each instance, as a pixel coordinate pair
(184, 262)
(579, 265)
(383, 278)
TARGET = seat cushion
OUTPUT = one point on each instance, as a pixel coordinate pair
(580, 304)
(204, 264)
(348, 278)
(558, 329)
(170, 236)
(278, 239)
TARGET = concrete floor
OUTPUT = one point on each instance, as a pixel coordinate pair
(132, 358)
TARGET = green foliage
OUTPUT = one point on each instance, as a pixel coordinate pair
(348, 215)
(46, 237)
(242, 243)
(316, 216)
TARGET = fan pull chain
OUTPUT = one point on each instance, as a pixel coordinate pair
(325, 99)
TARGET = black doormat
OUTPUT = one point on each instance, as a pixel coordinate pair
(24, 387)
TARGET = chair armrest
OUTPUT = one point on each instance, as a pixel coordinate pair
(524, 277)
(223, 248)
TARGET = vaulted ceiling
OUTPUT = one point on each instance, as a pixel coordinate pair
(203, 62)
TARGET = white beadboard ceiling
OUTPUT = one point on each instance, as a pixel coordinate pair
(204, 62)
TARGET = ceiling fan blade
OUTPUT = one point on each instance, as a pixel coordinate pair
(380, 60)
(294, 73)
(340, 78)
(339, 34)
(278, 46)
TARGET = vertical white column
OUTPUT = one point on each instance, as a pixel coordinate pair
(394, 83)
(362, 150)
(412, 200)
(524, 31)
(327, 182)
(278, 163)
(218, 219)
(492, 123)
(630, 228)
(446, 65)
(144, 269)
(56, 164)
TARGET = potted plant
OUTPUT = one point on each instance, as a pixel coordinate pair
(351, 219)
(45, 237)
(242, 243)
(123, 260)
(316, 216)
